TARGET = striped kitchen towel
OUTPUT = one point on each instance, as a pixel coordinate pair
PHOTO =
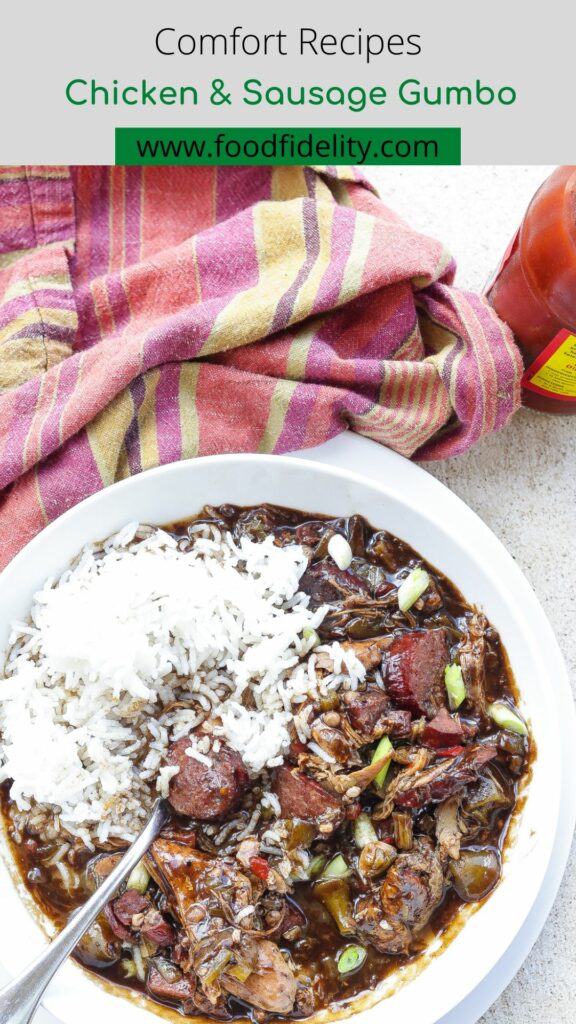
(152, 314)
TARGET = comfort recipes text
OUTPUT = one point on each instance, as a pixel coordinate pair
(369, 48)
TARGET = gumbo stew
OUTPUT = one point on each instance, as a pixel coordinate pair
(389, 809)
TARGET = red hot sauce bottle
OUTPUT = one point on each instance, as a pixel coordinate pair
(534, 291)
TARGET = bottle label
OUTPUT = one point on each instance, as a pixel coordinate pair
(553, 373)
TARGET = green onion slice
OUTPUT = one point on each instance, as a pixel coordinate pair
(503, 715)
(138, 878)
(337, 868)
(340, 550)
(351, 958)
(412, 588)
(316, 864)
(384, 747)
(128, 968)
(311, 635)
(454, 685)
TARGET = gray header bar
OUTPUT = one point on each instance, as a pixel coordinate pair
(371, 64)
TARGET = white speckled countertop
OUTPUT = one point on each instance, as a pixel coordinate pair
(522, 482)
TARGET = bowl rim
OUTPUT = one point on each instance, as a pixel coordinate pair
(384, 490)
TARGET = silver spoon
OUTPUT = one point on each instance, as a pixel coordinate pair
(20, 998)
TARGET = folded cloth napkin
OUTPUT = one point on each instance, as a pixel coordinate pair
(153, 314)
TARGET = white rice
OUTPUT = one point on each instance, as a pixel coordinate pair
(137, 623)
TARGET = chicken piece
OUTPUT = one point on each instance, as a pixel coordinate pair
(193, 881)
(371, 714)
(335, 743)
(483, 798)
(448, 830)
(471, 656)
(413, 886)
(271, 985)
(411, 891)
(433, 785)
(248, 849)
(392, 937)
(403, 830)
(205, 892)
(416, 760)
(359, 618)
(343, 783)
(369, 652)
(326, 583)
(99, 867)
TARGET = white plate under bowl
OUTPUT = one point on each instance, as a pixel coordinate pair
(486, 575)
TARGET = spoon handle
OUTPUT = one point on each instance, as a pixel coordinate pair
(20, 998)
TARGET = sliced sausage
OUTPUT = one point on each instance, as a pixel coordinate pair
(180, 990)
(128, 904)
(206, 791)
(133, 912)
(121, 931)
(413, 671)
(302, 797)
(443, 731)
(156, 928)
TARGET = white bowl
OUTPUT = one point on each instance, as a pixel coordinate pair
(487, 577)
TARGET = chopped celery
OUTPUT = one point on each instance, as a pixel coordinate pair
(239, 971)
(334, 893)
(503, 715)
(217, 967)
(412, 588)
(384, 747)
(351, 958)
(454, 685)
(340, 550)
(364, 831)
